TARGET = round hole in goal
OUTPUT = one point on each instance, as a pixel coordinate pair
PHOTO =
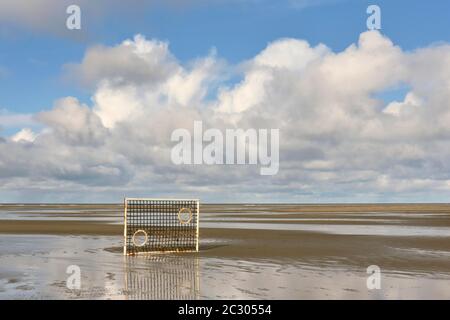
(185, 215)
(140, 238)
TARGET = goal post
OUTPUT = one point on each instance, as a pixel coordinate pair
(160, 225)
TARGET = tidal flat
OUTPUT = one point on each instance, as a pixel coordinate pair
(247, 251)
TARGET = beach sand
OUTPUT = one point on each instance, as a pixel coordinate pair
(246, 251)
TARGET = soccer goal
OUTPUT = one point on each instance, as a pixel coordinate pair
(158, 225)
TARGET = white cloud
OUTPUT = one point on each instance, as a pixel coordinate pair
(24, 135)
(410, 102)
(338, 142)
(113, 105)
(74, 123)
(285, 56)
(133, 61)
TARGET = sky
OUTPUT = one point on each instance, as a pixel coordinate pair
(86, 115)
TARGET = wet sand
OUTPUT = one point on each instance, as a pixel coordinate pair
(246, 251)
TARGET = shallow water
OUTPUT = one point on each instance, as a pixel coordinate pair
(351, 229)
(34, 266)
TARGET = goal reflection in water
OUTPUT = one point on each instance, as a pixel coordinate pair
(162, 277)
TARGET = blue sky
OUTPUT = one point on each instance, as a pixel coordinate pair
(237, 29)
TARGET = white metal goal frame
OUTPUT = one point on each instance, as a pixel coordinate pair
(161, 225)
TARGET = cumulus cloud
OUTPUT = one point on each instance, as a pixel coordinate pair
(132, 62)
(24, 135)
(408, 105)
(74, 123)
(338, 141)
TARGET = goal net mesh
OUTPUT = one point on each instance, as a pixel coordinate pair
(160, 226)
